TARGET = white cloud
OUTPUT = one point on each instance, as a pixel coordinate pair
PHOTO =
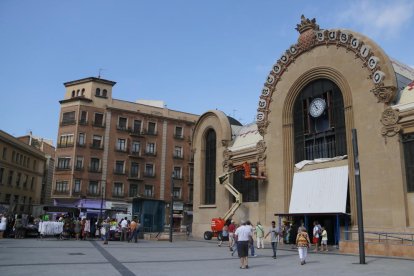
(378, 18)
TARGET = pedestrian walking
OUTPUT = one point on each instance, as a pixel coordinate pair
(260, 235)
(232, 229)
(3, 225)
(105, 230)
(124, 229)
(224, 235)
(316, 233)
(77, 228)
(251, 241)
(243, 234)
(134, 231)
(274, 237)
(18, 227)
(324, 243)
(302, 243)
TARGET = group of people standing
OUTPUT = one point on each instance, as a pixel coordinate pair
(13, 225)
(82, 228)
(240, 237)
(129, 229)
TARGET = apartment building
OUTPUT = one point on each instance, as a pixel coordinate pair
(111, 151)
(45, 146)
(22, 169)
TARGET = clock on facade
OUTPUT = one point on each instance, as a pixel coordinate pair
(317, 107)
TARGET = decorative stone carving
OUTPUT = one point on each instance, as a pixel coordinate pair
(307, 36)
(261, 147)
(261, 157)
(226, 154)
(225, 143)
(390, 119)
(262, 127)
(227, 164)
(384, 94)
(306, 24)
(226, 158)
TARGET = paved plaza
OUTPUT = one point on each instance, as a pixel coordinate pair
(194, 257)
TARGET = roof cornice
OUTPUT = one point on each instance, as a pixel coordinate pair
(90, 79)
(82, 99)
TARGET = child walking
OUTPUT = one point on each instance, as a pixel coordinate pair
(324, 243)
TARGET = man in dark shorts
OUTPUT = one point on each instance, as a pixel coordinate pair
(243, 235)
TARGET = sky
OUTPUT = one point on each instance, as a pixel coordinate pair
(193, 55)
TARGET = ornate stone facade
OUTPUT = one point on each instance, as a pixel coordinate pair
(311, 36)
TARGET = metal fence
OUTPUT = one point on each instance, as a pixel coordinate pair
(381, 237)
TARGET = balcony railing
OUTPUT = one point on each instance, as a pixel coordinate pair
(178, 156)
(76, 192)
(118, 195)
(65, 145)
(68, 122)
(149, 132)
(122, 128)
(78, 168)
(96, 146)
(135, 132)
(121, 149)
(178, 136)
(98, 124)
(149, 174)
(136, 154)
(61, 192)
(93, 192)
(94, 169)
(67, 168)
(81, 145)
(83, 122)
(120, 172)
(150, 153)
(134, 177)
(148, 195)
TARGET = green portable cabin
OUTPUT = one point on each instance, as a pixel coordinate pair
(151, 213)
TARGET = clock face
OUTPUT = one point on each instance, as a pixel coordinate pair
(317, 107)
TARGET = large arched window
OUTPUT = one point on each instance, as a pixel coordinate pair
(319, 122)
(210, 168)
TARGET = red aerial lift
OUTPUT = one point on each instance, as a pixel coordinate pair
(217, 224)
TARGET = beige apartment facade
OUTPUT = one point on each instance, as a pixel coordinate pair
(22, 168)
(323, 86)
(113, 151)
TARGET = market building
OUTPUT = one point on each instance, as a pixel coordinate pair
(111, 151)
(323, 86)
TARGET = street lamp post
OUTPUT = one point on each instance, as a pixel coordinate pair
(102, 199)
(172, 207)
(361, 238)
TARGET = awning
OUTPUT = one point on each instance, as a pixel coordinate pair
(62, 209)
(178, 216)
(319, 191)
